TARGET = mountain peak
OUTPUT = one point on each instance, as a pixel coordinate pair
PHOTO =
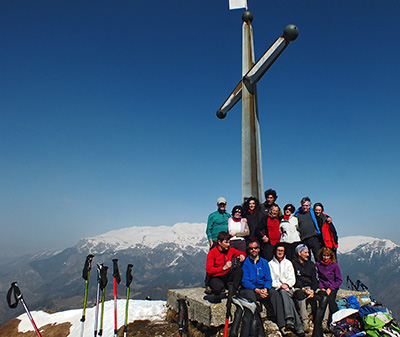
(183, 234)
(366, 243)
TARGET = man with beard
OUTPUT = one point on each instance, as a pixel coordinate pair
(257, 284)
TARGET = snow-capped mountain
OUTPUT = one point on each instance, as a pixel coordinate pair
(183, 235)
(349, 244)
(167, 257)
(376, 263)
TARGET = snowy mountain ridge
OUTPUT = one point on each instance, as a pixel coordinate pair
(366, 244)
(193, 235)
(182, 234)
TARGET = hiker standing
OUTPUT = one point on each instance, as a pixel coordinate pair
(270, 199)
(289, 228)
(238, 229)
(217, 222)
(326, 227)
(308, 226)
(255, 218)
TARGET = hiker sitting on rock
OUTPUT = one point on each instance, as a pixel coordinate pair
(283, 280)
(257, 284)
(330, 279)
(306, 285)
(223, 266)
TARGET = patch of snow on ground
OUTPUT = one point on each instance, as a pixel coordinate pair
(138, 310)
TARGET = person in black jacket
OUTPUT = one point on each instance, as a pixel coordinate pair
(255, 218)
(306, 290)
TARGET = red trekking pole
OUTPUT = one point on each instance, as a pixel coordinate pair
(228, 308)
(18, 297)
(117, 280)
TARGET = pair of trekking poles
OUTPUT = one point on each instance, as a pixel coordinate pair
(101, 290)
(15, 292)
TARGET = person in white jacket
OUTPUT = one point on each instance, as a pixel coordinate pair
(289, 228)
(283, 280)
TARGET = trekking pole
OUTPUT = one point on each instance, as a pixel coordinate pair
(129, 279)
(85, 274)
(117, 280)
(228, 308)
(353, 287)
(96, 315)
(18, 297)
(182, 318)
(103, 283)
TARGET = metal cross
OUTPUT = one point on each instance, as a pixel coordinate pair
(252, 177)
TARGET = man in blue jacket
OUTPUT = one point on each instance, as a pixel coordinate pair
(257, 282)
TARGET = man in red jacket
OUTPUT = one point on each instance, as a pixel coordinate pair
(223, 266)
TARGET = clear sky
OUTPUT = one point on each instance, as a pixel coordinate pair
(107, 114)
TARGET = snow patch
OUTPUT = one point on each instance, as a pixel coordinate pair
(138, 310)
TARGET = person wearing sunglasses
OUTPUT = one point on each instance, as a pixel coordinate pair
(257, 284)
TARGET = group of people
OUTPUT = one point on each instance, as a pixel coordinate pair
(264, 256)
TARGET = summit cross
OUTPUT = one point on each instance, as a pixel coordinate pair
(252, 72)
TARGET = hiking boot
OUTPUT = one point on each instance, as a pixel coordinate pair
(284, 331)
(306, 326)
(290, 324)
(208, 290)
(325, 326)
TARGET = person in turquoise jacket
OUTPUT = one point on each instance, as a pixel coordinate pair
(217, 222)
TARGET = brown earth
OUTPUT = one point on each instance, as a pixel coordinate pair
(137, 328)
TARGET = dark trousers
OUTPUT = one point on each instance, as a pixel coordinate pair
(273, 304)
(219, 283)
(313, 244)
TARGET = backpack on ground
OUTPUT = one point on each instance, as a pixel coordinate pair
(372, 308)
(380, 324)
(348, 326)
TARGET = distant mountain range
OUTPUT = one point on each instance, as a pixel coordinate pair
(167, 257)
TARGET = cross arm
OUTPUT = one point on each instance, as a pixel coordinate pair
(259, 68)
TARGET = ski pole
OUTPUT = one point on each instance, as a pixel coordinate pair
(85, 274)
(117, 280)
(228, 308)
(129, 279)
(96, 315)
(103, 283)
(18, 297)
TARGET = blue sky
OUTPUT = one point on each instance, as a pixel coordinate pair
(107, 113)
